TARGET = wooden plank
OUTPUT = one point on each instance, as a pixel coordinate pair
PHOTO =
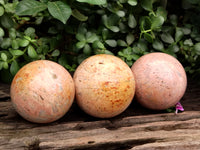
(53, 137)
(136, 129)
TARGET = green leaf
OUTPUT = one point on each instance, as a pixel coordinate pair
(108, 52)
(112, 20)
(1, 11)
(52, 30)
(167, 38)
(39, 20)
(90, 38)
(129, 57)
(80, 44)
(147, 4)
(100, 45)
(4, 57)
(97, 44)
(173, 48)
(16, 52)
(30, 31)
(121, 43)
(70, 68)
(161, 12)
(186, 30)
(87, 50)
(2, 2)
(105, 33)
(7, 21)
(111, 43)
(5, 65)
(148, 37)
(78, 15)
(23, 42)
(80, 37)
(94, 2)
(14, 68)
(1, 32)
(129, 63)
(82, 29)
(132, 23)
(29, 7)
(55, 53)
(137, 50)
(188, 42)
(135, 57)
(158, 45)
(120, 53)
(15, 44)
(59, 10)
(123, 27)
(6, 43)
(145, 23)
(142, 45)
(130, 38)
(31, 52)
(10, 7)
(28, 38)
(114, 28)
(127, 51)
(12, 33)
(122, 1)
(157, 22)
(63, 60)
(173, 19)
(197, 48)
(44, 1)
(80, 58)
(132, 2)
(105, 20)
(179, 34)
(120, 13)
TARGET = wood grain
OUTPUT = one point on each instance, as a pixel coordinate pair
(136, 129)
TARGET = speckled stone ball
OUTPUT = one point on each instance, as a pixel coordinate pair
(160, 80)
(42, 91)
(105, 86)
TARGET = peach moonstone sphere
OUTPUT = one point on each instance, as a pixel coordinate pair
(42, 91)
(105, 85)
(160, 80)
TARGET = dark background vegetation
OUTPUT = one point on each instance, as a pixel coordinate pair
(69, 31)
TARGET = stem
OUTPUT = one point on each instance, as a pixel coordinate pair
(15, 57)
(145, 31)
(153, 13)
(34, 44)
(141, 35)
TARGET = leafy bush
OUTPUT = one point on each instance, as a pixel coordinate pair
(68, 31)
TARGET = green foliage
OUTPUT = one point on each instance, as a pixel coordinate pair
(59, 10)
(68, 32)
(29, 7)
(94, 2)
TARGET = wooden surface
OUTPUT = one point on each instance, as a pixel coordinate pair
(136, 129)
